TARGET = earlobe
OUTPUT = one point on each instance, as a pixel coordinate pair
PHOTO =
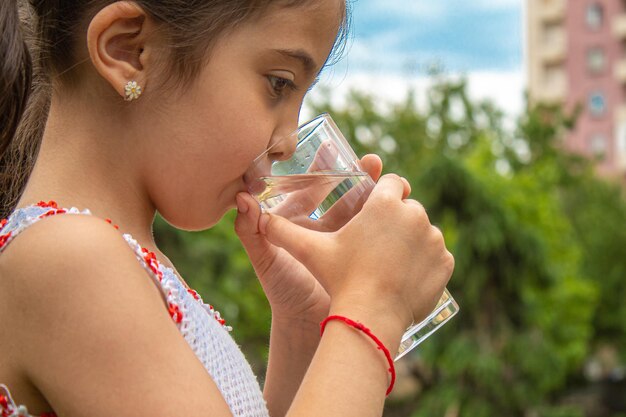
(116, 41)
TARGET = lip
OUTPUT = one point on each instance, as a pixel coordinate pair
(253, 183)
(261, 167)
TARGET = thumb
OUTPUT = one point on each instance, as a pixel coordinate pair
(248, 213)
(299, 241)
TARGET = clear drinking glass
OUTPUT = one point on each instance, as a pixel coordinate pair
(321, 187)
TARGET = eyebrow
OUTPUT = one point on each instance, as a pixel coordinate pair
(305, 59)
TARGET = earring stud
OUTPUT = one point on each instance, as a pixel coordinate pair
(132, 91)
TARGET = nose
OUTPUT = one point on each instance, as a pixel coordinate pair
(284, 140)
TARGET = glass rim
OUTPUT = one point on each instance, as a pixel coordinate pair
(320, 118)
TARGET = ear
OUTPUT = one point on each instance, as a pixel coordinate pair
(117, 43)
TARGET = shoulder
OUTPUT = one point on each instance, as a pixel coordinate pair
(69, 251)
(67, 270)
(88, 325)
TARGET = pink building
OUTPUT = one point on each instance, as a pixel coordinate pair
(577, 56)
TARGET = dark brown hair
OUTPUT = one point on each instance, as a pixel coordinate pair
(50, 28)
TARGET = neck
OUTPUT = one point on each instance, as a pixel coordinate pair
(85, 161)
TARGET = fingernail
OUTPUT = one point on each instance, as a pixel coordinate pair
(242, 206)
(265, 218)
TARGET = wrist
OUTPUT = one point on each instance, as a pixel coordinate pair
(385, 324)
(298, 331)
(305, 312)
(306, 319)
(298, 326)
(367, 332)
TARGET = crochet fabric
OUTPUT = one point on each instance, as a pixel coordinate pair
(200, 325)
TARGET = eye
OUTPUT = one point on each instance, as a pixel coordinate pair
(279, 84)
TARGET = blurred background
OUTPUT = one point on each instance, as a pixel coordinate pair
(507, 116)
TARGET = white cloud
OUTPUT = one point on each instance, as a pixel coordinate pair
(504, 88)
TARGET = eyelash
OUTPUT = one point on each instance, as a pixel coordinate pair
(285, 83)
(317, 79)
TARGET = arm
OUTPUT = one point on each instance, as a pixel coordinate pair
(348, 375)
(298, 304)
(293, 342)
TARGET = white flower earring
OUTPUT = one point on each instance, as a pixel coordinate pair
(132, 91)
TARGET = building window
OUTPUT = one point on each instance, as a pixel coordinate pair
(553, 34)
(598, 144)
(595, 16)
(597, 104)
(621, 139)
(596, 60)
(554, 77)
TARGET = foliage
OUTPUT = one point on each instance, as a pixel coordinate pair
(536, 236)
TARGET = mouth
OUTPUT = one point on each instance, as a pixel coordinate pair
(252, 178)
(253, 184)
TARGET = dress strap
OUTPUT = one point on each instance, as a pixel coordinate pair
(8, 407)
(24, 217)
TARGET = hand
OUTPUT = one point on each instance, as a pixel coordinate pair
(387, 258)
(292, 291)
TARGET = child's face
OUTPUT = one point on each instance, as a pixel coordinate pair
(204, 141)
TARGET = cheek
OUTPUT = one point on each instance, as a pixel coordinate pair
(233, 147)
(200, 153)
(199, 168)
(237, 140)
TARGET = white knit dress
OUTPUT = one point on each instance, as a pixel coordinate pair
(199, 324)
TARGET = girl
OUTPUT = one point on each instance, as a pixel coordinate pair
(147, 105)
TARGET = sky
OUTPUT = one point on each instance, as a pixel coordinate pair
(394, 42)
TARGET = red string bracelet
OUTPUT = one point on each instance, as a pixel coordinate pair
(368, 332)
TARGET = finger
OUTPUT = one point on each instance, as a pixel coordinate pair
(297, 240)
(417, 204)
(373, 165)
(420, 211)
(325, 158)
(260, 251)
(407, 187)
(389, 185)
(248, 213)
(344, 209)
(312, 191)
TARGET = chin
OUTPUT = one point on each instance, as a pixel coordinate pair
(195, 211)
(195, 220)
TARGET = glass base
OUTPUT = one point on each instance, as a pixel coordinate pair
(445, 310)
